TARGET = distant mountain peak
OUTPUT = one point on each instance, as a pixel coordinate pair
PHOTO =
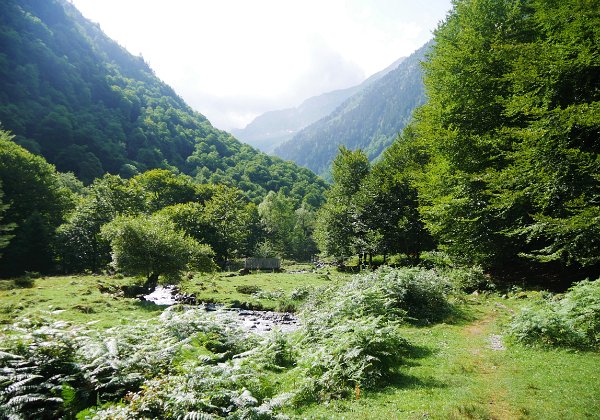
(369, 119)
(269, 130)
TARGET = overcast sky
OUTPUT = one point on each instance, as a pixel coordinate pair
(232, 60)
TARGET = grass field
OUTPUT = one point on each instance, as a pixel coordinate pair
(455, 374)
(271, 290)
(465, 368)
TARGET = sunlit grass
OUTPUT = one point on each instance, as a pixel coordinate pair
(76, 299)
(451, 371)
(454, 374)
(275, 288)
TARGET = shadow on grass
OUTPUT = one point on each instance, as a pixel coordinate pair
(150, 306)
(403, 381)
(452, 315)
(416, 352)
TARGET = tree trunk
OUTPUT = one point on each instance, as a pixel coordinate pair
(151, 282)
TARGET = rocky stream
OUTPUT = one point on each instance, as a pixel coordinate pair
(260, 322)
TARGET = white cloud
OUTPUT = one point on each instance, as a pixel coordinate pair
(234, 59)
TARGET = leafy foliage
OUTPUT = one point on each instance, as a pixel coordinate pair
(79, 243)
(38, 202)
(572, 320)
(36, 366)
(5, 229)
(287, 229)
(350, 337)
(509, 129)
(469, 279)
(152, 246)
(371, 209)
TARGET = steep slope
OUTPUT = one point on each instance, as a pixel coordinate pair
(269, 130)
(369, 120)
(73, 95)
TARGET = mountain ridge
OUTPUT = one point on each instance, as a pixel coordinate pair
(370, 119)
(272, 128)
(79, 99)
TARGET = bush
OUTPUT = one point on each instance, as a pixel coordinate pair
(34, 369)
(469, 279)
(397, 294)
(571, 321)
(24, 282)
(353, 353)
(350, 335)
(247, 289)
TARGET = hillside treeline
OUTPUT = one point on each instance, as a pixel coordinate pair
(500, 167)
(50, 222)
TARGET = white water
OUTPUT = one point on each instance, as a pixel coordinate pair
(162, 296)
(260, 322)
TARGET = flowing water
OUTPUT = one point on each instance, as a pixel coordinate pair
(260, 322)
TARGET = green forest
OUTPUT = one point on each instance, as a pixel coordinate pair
(457, 276)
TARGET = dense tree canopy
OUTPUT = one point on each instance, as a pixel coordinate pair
(511, 128)
(37, 204)
(287, 228)
(5, 229)
(372, 209)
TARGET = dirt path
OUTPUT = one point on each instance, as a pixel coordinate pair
(483, 344)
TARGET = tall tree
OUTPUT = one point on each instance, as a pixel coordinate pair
(5, 229)
(337, 225)
(387, 204)
(230, 220)
(38, 204)
(511, 128)
(79, 244)
(288, 230)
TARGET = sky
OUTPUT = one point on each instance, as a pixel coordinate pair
(232, 60)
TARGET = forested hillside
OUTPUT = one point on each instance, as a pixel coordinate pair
(368, 120)
(269, 130)
(76, 97)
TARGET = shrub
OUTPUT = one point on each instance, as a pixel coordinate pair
(24, 282)
(469, 279)
(247, 289)
(353, 353)
(350, 335)
(398, 294)
(34, 368)
(571, 321)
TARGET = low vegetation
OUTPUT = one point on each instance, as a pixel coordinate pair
(571, 320)
(392, 342)
(494, 181)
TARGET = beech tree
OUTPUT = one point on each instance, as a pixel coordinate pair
(5, 229)
(511, 128)
(153, 247)
(38, 203)
(336, 230)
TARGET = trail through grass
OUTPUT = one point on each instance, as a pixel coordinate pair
(455, 373)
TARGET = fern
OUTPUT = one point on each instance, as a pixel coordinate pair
(34, 368)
